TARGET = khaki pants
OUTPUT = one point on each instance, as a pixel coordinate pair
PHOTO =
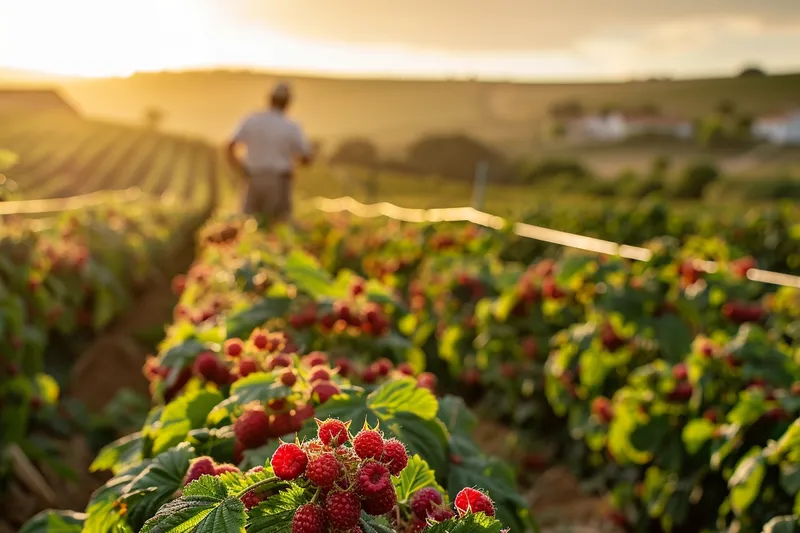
(269, 194)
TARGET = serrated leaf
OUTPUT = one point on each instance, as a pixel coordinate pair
(370, 524)
(274, 515)
(403, 396)
(416, 476)
(161, 479)
(180, 416)
(256, 387)
(470, 523)
(745, 483)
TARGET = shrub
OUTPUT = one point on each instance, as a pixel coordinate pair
(695, 179)
(357, 152)
(453, 156)
(555, 167)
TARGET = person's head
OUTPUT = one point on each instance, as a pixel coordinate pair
(280, 97)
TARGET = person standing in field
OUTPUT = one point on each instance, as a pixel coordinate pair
(273, 144)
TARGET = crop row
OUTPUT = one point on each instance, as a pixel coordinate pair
(59, 287)
(673, 387)
(62, 156)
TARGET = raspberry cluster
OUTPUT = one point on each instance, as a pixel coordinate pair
(349, 474)
(428, 507)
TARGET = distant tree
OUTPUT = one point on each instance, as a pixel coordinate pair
(357, 151)
(453, 156)
(660, 166)
(695, 179)
(752, 71)
(744, 127)
(154, 118)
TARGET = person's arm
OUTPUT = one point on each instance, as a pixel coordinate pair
(303, 150)
(233, 144)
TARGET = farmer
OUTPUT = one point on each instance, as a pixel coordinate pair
(272, 144)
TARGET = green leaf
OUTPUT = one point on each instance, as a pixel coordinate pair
(470, 523)
(242, 324)
(745, 483)
(256, 387)
(47, 388)
(456, 417)
(308, 276)
(371, 524)
(274, 515)
(571, 266)
(416, 476)
(674, 338)
(403, 396)
(119, 455)
(180, 356)
(156, 484)
(204, 507)
(55, 522)
(790, 478)
(696, 433)
(185, 413)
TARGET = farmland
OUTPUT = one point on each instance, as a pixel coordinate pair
(384, 350)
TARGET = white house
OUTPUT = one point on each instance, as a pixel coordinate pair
(782, 128)
(618, 126)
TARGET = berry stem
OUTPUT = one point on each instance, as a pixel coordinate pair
(259, 484)
(316, 495)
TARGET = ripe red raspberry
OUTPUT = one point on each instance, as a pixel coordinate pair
(279, 361)
(440, 514)
(344, 510)
(207, 365)
(380, 503)
(225, 468)
(368, 444)
(234, 347)
(372, 479)
(252, 428)
(325, 390)
(470, 500)
(247, 366)
(426, 380)
(319, 373)
(424, 500)
(250, 499)
(260, 339)
(315, 359)
(405, 368)
(288, 378)
(383, 366)
(394, 456)
(324, 470)
(202, 466)
(309, 518)
(332, 432)
(289, 461)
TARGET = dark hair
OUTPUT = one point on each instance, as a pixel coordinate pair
(279, 102)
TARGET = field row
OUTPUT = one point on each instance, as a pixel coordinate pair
(62, 156)
(675, 390)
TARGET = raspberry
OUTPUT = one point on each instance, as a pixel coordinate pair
(473, 501)
(372, 479)
(383, 366)
(380, 503)
(368, 444)
(202, 466)
(252, 428)
(309, 518)
(325, 390)
(332, 432)
(260, 340)
(315, 359)
(289, 461)
(344, 510)
(319, 373)
(207, 365)
(247, 366)
(426, 380)
(440, 514)
(226, 468)
(405, 368)
(251, 499)
(234, 347)
(288, 378)
(279, 361)
(394, 456)
(324, 470)
(424, 500)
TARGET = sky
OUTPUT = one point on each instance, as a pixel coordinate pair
(506, 39)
